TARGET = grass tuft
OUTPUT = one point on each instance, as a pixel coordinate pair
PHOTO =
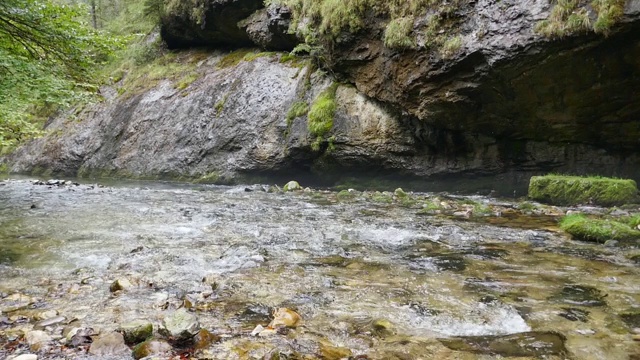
(397, 34)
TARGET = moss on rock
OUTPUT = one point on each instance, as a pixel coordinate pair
(573, 190)
(598, 230)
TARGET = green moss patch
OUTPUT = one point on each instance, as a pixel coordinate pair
(297, 109)
(573, 190)
(235, 57)
(598, 230)
(320, 119)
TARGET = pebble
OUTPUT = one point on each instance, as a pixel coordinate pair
(635, 331)
(37, 339)
(24, 357)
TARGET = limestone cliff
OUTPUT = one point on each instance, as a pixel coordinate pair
(504, 100)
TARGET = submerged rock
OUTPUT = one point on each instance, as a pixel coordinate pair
(330, 352)
(285, 317)
(528, 344)
(580, 295)
(632, 319)
(110, 344)
(204, 339)
(575, 314)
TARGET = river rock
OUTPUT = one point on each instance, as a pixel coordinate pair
(136, 331)
(533, 344)
(37, 339)
(15, 302)
(180, 325)
(80, 336)
(110, 344)
(152, 347)
(46, 315)
(120, 284)
(49, 322)
(292, 186)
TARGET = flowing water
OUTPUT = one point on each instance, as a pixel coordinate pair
(376, 278)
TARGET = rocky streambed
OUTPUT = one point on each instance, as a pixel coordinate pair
(251, 272)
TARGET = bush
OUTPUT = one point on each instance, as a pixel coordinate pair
(573, 190)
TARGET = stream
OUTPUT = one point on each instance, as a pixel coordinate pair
(372, 275)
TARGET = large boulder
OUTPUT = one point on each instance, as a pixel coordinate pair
(269, 28)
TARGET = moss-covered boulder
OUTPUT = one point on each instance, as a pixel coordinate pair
(598, 230)
(573, 190)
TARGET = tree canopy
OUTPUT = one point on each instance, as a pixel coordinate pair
(47, 54)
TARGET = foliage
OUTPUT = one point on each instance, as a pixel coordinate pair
(321, 22)
(609, 12)
(599, 230)
(47, 55)
(572, 190)
(569, 17)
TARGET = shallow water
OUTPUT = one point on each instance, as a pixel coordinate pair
(380, 279)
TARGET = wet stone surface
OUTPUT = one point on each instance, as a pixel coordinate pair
(223, 273)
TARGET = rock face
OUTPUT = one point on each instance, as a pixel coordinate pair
(508, 102)
(510, 86)
(209, 23)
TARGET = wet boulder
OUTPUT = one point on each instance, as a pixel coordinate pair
(180, 326)
(136, 332)
(533, 344)
(292, 186)
(120, 285)
(152, 347)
